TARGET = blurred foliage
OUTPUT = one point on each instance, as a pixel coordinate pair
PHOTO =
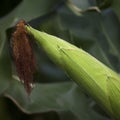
(95, 28)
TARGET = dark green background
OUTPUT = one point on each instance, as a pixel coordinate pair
(55, 96)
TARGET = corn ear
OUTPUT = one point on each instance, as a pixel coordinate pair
(99, 81)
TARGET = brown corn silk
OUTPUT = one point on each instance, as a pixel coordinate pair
(23, 55)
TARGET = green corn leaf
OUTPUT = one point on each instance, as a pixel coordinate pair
(97, 79)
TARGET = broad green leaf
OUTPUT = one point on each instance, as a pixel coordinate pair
(112, 35)
(84, 69)
(5, 69)
(43, 97)
(59, 97)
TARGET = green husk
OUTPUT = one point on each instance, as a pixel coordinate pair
(99, 81)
